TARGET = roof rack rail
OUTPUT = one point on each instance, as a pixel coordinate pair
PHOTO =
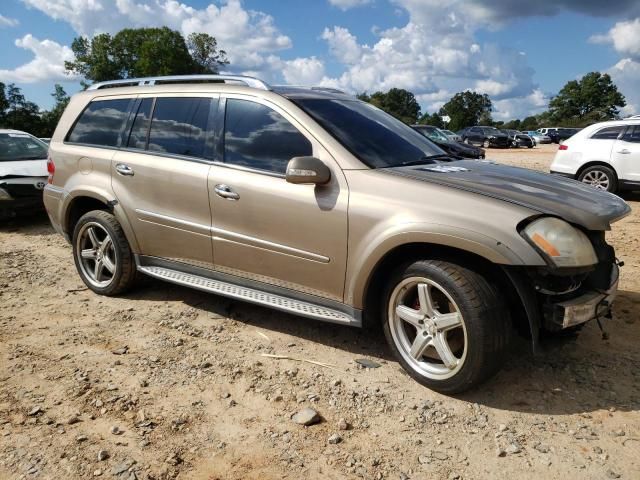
(328, 90)
(173, 79)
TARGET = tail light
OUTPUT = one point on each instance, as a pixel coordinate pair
(563, 147)
(51, 168)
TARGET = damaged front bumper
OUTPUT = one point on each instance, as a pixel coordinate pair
(587, 306)
(21, 195)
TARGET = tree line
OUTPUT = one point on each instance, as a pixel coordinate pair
(593, 98)
(144, 52)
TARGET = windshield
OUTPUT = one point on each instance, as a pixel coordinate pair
(21, 146)
(448, 132)
(373, 136)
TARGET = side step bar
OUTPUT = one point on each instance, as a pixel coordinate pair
(226, 289)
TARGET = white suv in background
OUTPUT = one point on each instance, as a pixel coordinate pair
(605, 155)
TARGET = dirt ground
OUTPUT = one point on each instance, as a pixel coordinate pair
(172, 383)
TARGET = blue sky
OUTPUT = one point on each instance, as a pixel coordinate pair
(520, 53)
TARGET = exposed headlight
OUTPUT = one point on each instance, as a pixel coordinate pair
(4, 195)
(561, 243)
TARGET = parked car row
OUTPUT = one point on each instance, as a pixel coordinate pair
(452, 147)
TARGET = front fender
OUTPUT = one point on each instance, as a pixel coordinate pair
(367, 255)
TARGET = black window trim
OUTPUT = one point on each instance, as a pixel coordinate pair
(129, 125)
(222, 124)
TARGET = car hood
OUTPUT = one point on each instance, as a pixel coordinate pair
(24, 168)
(553, 195)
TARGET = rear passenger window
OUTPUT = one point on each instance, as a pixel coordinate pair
(258, 137)
(179, 126)
(100, 123)
(633, 134)
(609, 133)
(140, 128)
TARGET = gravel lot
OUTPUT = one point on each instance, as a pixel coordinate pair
(172, 383)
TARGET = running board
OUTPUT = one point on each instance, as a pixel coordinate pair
(226, 289)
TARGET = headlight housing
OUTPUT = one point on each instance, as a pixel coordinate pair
(561, 243)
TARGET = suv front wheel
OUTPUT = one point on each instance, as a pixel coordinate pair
(102, 254)
(446, 325)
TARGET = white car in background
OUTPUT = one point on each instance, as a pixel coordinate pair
(23, 173)
(605, 155)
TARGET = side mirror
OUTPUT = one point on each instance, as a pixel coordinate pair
(307, 170)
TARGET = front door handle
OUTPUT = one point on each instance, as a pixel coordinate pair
(124, 169)
(225, 191)
(624, 151)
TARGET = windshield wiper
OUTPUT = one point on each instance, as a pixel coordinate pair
(423, 160)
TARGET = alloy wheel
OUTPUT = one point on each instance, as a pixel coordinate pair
(597, 179)
(428, 328)
(96, 254)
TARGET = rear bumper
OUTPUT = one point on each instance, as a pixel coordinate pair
(53, 199)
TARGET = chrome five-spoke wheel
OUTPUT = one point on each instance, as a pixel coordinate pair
(428, 328)
(96, 254)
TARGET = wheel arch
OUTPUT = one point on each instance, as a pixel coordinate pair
(86, 201)
(594, 163)
(523, 314)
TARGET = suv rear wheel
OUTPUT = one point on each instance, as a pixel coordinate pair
(446, 325)
(102, 254)
(601, 177)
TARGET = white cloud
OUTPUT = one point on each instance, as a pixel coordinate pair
(624, 36)
(248, 36)
(47, 64)
(347, 4)
(626, 75)
(303, 71)
(434, 55)
(8, 22)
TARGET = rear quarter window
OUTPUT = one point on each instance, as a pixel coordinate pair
(608, 133)
(100, 123)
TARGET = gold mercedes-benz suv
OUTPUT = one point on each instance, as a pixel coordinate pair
(312, 202)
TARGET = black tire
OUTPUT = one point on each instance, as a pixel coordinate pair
(529, 146)
(612, 178)
(125, 273)
(485, 317)
(486, 144)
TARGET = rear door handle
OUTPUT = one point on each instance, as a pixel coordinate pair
(225, 191)
(124, 169)
(624, 151)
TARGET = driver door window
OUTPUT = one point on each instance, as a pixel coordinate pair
(259, 138)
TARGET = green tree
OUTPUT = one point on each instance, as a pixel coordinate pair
(50, 118)
(398, 102)
(466, 109)
(204, 51)
(19, 113)
(434, 119)
(143, 52)
(593, 98)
